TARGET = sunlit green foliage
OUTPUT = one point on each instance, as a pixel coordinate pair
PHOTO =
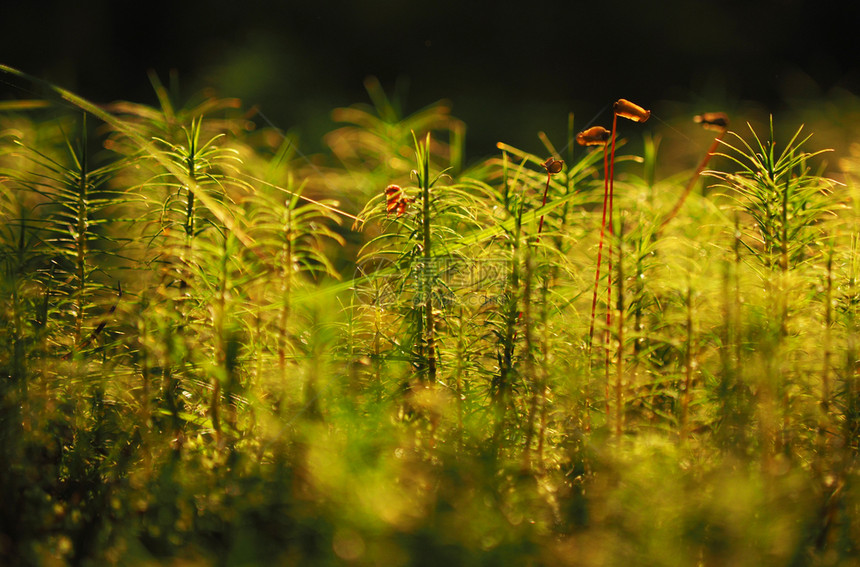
(206, 360)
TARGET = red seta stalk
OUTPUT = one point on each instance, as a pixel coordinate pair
(606, 332)
(552, 167)
(597, 136)
(712, 121)
(631, 111)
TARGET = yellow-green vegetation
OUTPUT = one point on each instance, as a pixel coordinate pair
(215, 350)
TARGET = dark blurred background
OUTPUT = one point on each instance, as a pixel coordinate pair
(509, 68)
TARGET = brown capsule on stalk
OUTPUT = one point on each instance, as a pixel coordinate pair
(392, 196)
(553, 165)
(718, 121)
(394, 200)
(594, 136)
(630, 111)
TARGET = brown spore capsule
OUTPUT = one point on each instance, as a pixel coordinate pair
(718, 121)
(594, 136)
(395, 201)
(630, 111)
(553, 165)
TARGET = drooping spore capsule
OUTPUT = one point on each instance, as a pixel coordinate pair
(553, 165)
(395, 201)
(630, 111)
(594, 136)
(718, 121)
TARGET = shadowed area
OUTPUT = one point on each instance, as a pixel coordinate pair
(509, 71)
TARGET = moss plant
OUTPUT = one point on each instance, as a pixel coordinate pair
(202, 363)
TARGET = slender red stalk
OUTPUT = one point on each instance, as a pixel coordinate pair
(692, 181)
(600, 246)
(552, 166)
(611, 227)
(543, 203)
(606, 332)
(630, 111)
